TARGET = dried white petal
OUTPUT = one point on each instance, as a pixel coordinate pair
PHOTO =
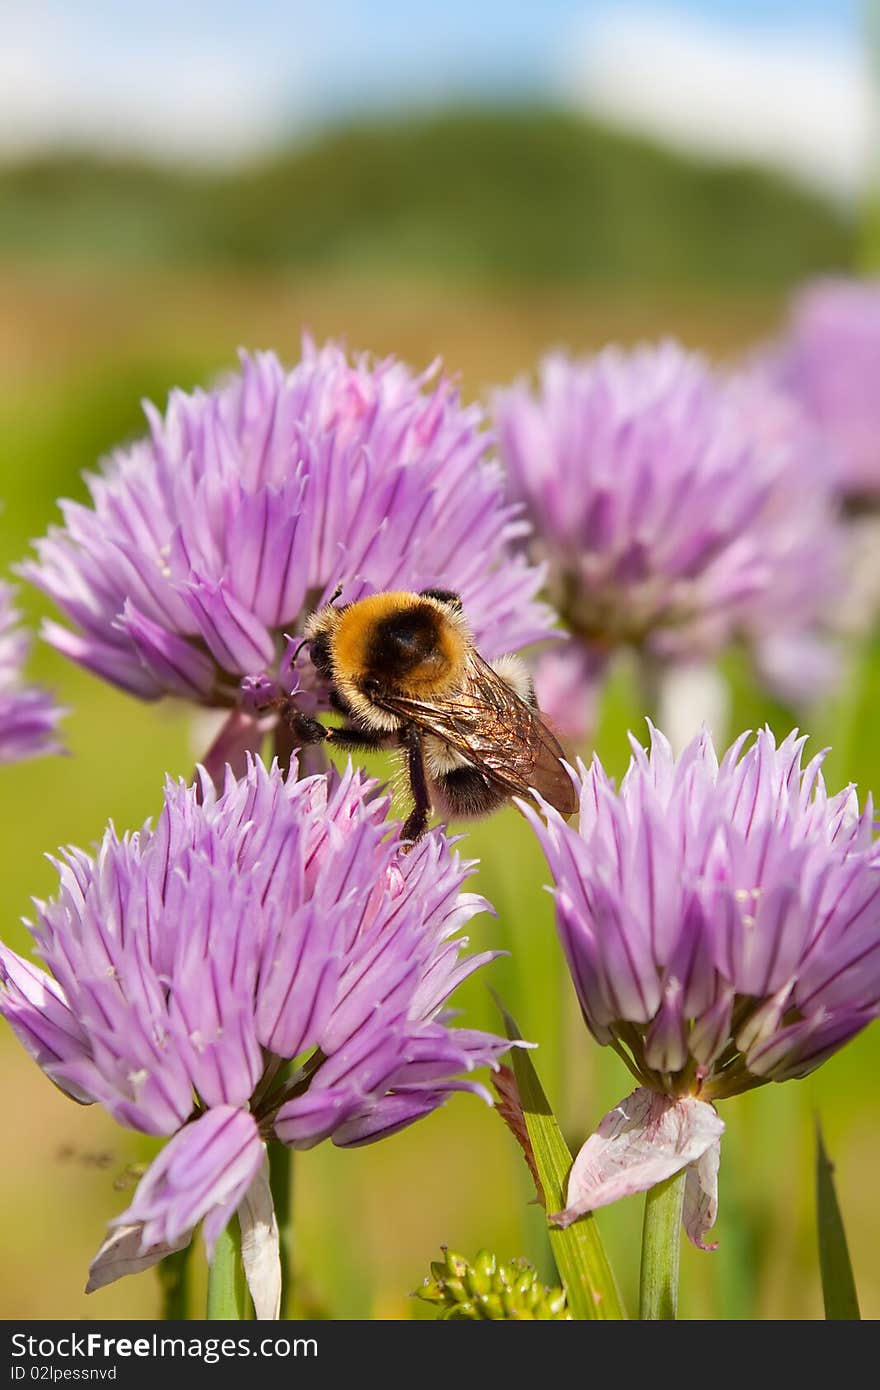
(701, 1197)
(260, 1253)
(642, 1141)
(121, 1254)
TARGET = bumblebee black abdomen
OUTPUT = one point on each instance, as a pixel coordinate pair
(465, 792)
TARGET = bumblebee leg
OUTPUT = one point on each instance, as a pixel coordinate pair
(416, 822)
(465, 791)
(348, 736)
(302, 726)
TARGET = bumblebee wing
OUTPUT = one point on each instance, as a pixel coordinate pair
(496, 731)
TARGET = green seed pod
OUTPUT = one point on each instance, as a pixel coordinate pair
(484, 1289)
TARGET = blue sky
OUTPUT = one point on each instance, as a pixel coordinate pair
(219, 81)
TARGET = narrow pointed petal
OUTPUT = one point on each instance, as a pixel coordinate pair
(28, 722)
(120, 665)
(399, 1109)
(644, 1139)
(34, 1006)
(175, 663)
(666, 1047)
(237, 639)
(204, 1171)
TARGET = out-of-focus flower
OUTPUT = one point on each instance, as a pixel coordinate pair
(28, 716)
(274, 922)
(568, 683)
(828, 359)
(486, 1289)
(676, 510)
(249, 504)
(722, 929)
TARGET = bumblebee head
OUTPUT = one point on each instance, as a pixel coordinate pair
(448, 597)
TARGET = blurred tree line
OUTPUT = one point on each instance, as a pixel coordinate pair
(489, 195)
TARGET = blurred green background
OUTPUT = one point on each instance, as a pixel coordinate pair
(485, 233)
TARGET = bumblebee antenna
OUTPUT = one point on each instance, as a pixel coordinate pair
(336, 592)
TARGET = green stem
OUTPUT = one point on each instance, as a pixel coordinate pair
(227, 1291)
(174, 1283)
(661, 1246)
(281, 1182)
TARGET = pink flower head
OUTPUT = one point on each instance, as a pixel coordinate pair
(274, 921)
(721, 924)
(662, 499)
(208, 542)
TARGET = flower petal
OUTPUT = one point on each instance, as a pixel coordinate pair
(236, 638)
(123, 1253)
(177, 665)
(204, 1171)
(34, 1006)
(644, 1139)
(260, 1250)
(701, 1197)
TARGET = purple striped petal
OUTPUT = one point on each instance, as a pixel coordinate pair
(238, 641)
(34, 1006)
(202, 1173)
(177, 666)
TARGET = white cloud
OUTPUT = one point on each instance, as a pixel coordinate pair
(799, 100)
(65, 85)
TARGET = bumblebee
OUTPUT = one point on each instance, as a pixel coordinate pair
(404, 672)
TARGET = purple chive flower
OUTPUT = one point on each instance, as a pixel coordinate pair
(828, 359)
(676, 510)
(248, 504)
(274, 920)
(28, 716)
(722, 929)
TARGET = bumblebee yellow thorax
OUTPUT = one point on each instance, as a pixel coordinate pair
(402, 639)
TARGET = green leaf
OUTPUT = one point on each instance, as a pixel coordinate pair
(578, 1251)
(838, 1285)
